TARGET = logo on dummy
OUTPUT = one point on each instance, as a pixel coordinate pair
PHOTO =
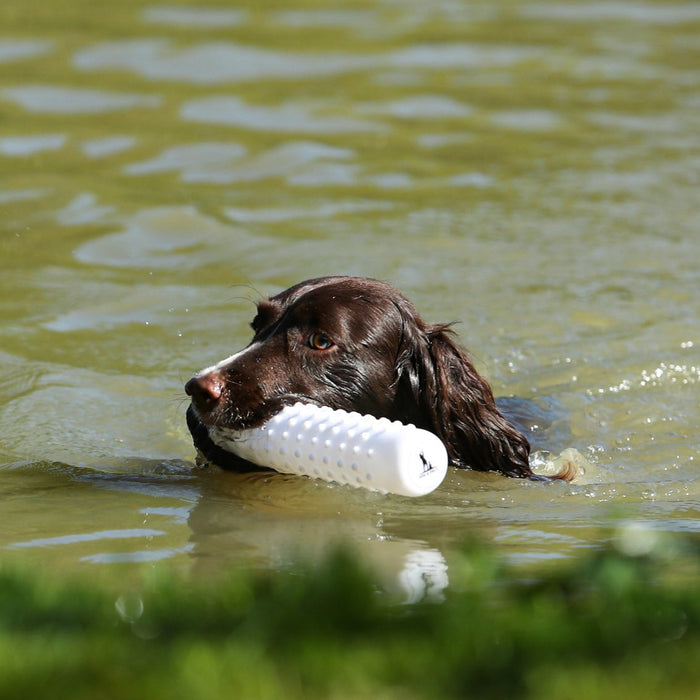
(427, 466)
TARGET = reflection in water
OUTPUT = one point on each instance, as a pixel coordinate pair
(107, 146)
(89, 517)
(424, 575)
(196, 162)
(195, 17)
(88, 537)
(84, 209)
(166, 237)
(223, 163)
(18, 49)
(205, 521)
(83, 417)
(269, 215)
(274, 520)
(137, 557)
(61, 100)
(292, 117)
(530, 120)
(23, 146)
(419, 107)
(222, 62)
(667, 13)
(166, 166)
(211, 63)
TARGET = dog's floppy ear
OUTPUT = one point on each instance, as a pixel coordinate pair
(454, 401)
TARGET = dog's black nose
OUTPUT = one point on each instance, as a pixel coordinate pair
(205, 389)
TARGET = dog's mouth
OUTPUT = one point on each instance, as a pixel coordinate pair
(209, 451)
(208, 431)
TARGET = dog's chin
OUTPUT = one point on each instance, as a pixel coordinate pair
(210, 452)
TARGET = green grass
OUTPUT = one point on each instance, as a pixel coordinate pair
(606, 626)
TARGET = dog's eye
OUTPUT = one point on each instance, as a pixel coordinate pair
(320, 341)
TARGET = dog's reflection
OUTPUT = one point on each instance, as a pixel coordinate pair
(270, 520)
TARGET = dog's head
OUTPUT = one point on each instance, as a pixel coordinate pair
(356, 344)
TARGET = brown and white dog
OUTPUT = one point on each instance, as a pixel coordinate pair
(357, 344)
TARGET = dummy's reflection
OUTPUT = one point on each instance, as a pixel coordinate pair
(272, 520)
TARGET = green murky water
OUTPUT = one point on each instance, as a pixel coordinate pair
(530, 168)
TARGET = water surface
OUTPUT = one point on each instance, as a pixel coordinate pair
(530, 169)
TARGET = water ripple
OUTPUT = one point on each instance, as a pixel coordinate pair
(63, 100)
(223, 163)
(288, 117)
(211, 63)
(424, 106)
(136, 557)
(23, 146)
(18, 49)
(88, 537)
(220, 62)
(195, 18)
(665, 13)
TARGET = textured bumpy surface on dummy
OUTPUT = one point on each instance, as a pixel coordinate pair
(348, 448)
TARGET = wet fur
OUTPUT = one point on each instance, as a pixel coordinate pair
(384, 360)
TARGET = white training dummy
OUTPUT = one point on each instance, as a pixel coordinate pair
(348, 448)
